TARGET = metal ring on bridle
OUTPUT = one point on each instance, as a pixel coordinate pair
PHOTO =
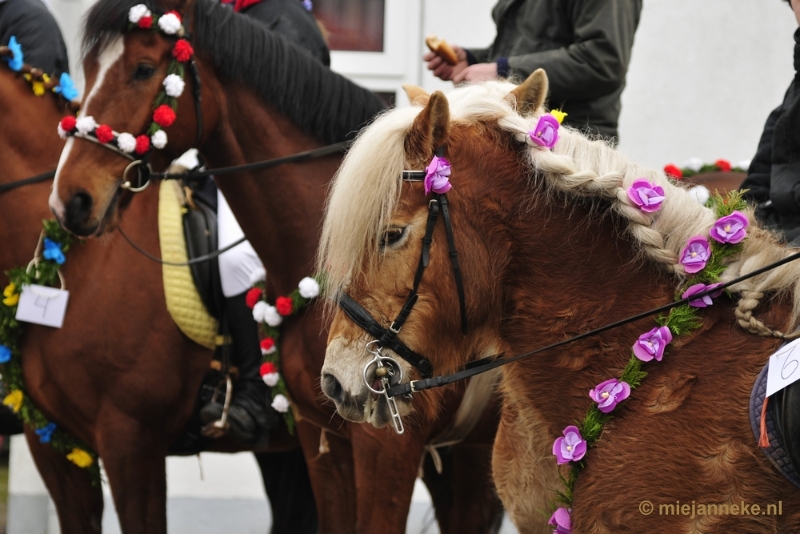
(379, 361)
(126, 184)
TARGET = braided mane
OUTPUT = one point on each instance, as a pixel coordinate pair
(576, 166)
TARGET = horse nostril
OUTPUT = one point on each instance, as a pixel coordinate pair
(332, 388)
(79, 208)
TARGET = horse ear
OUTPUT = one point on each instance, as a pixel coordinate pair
(530, 95)
(430, 130)
(416, 95)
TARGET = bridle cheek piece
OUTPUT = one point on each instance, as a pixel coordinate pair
(386, 368)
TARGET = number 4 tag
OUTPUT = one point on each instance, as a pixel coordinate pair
(784, 367)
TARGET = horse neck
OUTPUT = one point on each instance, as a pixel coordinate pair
(28, 146)
(279, 209)
(572, 270)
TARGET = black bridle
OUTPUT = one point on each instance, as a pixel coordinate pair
(387, 337)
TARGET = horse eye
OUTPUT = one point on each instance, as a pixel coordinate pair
(143, 72)
(392, 236)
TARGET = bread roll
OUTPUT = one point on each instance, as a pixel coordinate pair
(442, 49)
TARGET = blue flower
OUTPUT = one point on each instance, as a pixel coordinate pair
(308, 5)
(66, 87)
(52, 251)
(15, 62)
(5, 354)
(46, 432)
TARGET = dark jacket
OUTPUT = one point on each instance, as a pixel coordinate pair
(583, 45)
(773, 179)
(290, 19)
(38, 33)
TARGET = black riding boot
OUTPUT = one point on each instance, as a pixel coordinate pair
(249, 414)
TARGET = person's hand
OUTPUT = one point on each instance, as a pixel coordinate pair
(440, 67)
(476, 73)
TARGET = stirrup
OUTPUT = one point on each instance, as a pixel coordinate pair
(217, 429)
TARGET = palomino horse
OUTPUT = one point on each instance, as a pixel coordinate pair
(94, 269)
(552, 244)
(261, 99)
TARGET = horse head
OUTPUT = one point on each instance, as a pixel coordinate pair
(139, 70)
(376, 235)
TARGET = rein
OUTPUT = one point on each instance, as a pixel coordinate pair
(27, 181)
(491, 362)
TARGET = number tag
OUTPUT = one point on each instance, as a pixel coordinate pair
(784, 367)
(42, 305)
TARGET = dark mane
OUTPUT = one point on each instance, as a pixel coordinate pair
(322, 103)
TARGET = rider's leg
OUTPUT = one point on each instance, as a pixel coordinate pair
(248, 412)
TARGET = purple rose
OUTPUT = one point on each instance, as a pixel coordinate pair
(703, 301)
(648, 197)
(562, 520)
(730, 229)
(571, 447)
(437, 177)
(546, 132)
(652, 344)
(695, 254)
(607, 394)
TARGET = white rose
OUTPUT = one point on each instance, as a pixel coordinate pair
(126, 142)
(271, 316)
(700, 193)
(309, 288)
(744, 164)
(169, 23)
(258, 275)
(159, 139)
(260, 310)
(270, 350)
(174, 84)
(271, 379)
(280, 403)
(137, 12)
(86, 124)
(693, 163)
(62, 133)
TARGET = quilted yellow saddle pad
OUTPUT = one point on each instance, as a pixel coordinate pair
(183, 300)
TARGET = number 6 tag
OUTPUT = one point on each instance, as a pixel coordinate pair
(784, 367)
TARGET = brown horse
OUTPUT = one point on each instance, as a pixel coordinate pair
(261, 99)
(550, 245)
(27, 126)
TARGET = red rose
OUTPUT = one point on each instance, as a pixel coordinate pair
(723, 164)
(142, 144)
(284, 305)
(182, 51)
(104, 133)
(267, 343)
(673, 172)
(164, 116)
(68, 124)
(267, 368)
(145, 22)
(252, 297)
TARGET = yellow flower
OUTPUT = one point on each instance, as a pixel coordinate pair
(80, 457)
(559, 115)
(14, 400)
(11, 296)
(38, 86)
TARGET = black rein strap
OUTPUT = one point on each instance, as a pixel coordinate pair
(491, 362)
(27, 181)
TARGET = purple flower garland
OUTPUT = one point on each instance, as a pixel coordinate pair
(700, 258)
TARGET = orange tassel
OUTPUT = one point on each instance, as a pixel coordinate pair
(763, 439)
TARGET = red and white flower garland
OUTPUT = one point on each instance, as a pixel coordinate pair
(270, 318)
(165, 105)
